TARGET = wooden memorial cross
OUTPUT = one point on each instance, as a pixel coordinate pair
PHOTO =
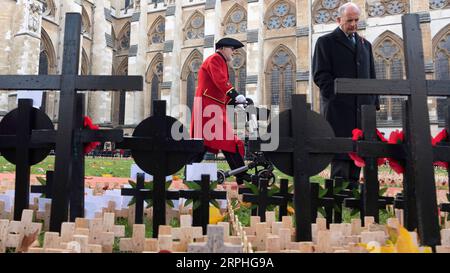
(200, 216)
(262, 199)
(254, 211)
(286, 197)
(67, 143)
(317, 202)
(21, 145)
(358, 203)
(215, 243)
(306, 147)
(417, 88)
(140, 193)
(156, 152)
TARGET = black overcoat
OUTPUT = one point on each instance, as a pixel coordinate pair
(336, 57)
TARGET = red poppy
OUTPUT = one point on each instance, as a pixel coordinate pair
(357, 134)
(442, 136)
(88, 124)
(396, 137)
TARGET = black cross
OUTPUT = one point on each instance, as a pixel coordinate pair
(299, 150)
(332, 187)
(68, 148)
(417, 88)
(156, 152)
(262, 199)
(200, 216)
(317, 202)
(47, 188)
(286, 198)
(254, 211)
(21, 145)
(358, 203)
(140, 193)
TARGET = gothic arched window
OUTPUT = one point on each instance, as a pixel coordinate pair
(326, 11)
(190, 75)
(442, 65)
(281, 14)
(156, 35)
(281, 77)
(389, 64)
(195, 28)
(386, 7)
(124, 38)
(154, 78)
(439, 4)
(238, 71)
(236, 21)
(85, 23)
(47, 65)
(85, 63)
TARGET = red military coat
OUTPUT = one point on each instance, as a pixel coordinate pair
(211, 123)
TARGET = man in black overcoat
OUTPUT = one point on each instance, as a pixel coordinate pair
(343, 54)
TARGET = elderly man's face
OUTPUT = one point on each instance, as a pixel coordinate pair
(349, 20)
(228, 53)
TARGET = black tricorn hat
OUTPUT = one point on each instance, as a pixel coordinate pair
(230, 42)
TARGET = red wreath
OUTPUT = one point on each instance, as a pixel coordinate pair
(359, 161)
(87, 124)
(396, 137)
(442, 136)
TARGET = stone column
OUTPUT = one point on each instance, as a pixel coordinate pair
(26, 39)
(255, 53)
(303, 44)
(171, 86)
(212, 26)
(99, 103)
(134, 106)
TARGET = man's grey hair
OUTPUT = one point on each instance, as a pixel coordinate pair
(344, 7)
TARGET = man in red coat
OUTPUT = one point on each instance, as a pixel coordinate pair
(209, 114)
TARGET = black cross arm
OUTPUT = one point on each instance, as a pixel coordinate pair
(134, 192)
(244, 190)
(380, 149)
(100, 135)
(287, 196)
(326, 202)
(441, 153)
(109, 83)
(39, 139)
(190, 194)
(330, 145)
(30, 82)
(156, 144)
(172, 195)
(388, 87)
(218, 194)
(357, 203)
(438, 87)
(372, 87)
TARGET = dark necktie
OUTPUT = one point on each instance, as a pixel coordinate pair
(351, 37)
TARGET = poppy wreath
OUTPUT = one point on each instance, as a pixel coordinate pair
(88, 124)
(357, 134)
(396, 137)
